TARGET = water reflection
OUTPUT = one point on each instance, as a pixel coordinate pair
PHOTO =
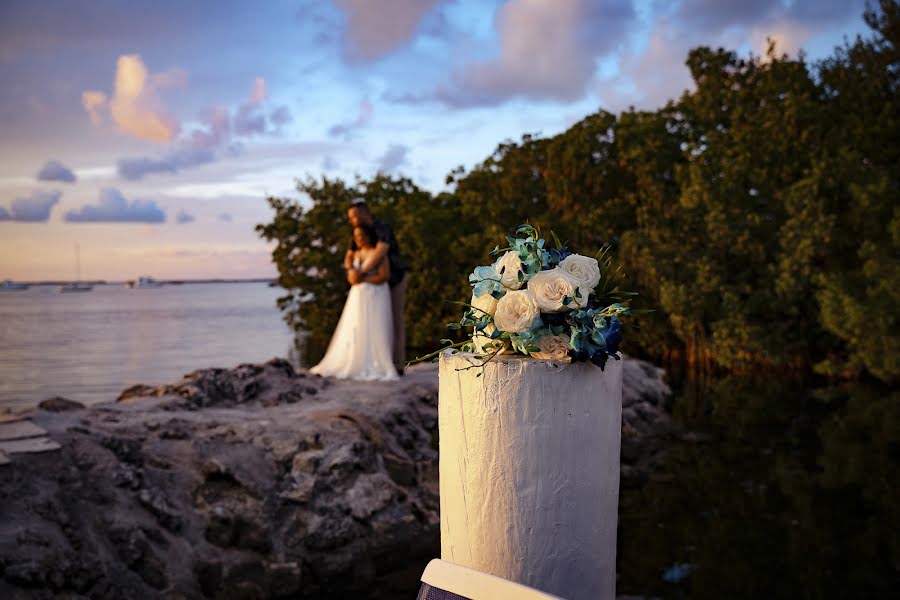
(793, 495)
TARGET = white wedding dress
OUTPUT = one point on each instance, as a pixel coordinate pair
(361, 345)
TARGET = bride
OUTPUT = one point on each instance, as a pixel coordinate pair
(360, 347)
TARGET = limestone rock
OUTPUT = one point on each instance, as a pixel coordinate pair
(60, 404)
(255, 481)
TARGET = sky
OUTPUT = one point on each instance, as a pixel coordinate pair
(150, 132)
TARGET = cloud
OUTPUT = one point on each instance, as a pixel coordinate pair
(394, 157)
(184, 217)
(789, 23)
(787, 36)
(281, 116)
(249, 120)
(329, 163)
(374, 29)
(716, 15)
(226, 217)
(173, 78)
(31, 209)
(548, 51)
(651, 78)
(218, 134)
(216, 130)
(657, 73)
(94, 104)
(136, 106)
(345, 130)
(134, 169)
(113, 207)
(54, 170)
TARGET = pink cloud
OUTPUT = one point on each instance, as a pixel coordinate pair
(136, 106)
(375, 29)
(363, 116)
(219, 133)
(651, 78)
(548, 51)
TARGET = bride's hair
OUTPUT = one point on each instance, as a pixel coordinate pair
(369, 232)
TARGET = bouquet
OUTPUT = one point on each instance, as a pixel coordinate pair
(548, 303)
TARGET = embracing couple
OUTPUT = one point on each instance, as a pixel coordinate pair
(369, 341)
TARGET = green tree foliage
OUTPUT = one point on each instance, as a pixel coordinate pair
(859, 175)
(757, 214)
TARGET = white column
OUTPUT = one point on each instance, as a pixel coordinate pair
(529, 472)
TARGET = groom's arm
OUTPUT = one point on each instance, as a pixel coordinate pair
(353, 276)
(381, 250)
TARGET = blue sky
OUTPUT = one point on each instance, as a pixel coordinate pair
(150, 131)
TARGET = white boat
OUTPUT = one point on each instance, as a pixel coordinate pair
(9, 285)
(145, 282)
(77, 286)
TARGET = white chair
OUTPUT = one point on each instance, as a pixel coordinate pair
(446, 581)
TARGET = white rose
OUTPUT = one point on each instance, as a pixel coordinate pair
(485, 345)
(553, 347)
(551, 287)
(516, 311)
(512, 264)
(486, 303)
(583, 269)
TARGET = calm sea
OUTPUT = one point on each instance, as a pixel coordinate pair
(90, 346)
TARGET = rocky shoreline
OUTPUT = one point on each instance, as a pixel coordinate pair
(251, 482)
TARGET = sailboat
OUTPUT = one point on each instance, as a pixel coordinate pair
(77, 286)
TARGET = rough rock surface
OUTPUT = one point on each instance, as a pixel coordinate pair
(252, 482)
(59, 404)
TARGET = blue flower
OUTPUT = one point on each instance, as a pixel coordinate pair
(485, 280)
(595, 334)
(556, 256)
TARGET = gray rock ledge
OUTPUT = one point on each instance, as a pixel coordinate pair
(251, 482)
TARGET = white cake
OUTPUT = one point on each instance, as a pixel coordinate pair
(529, 471)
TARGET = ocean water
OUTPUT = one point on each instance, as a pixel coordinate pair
(90, 346)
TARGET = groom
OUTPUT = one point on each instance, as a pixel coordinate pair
(359, 216)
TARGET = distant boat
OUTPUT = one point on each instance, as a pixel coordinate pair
(9, 285)
(144, 282)
(77, 286)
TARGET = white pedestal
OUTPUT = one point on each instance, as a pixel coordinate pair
(529, 472)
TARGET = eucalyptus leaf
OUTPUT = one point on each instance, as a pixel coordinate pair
(556, 241)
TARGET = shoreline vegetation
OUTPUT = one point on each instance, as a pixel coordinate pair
(756, 215)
